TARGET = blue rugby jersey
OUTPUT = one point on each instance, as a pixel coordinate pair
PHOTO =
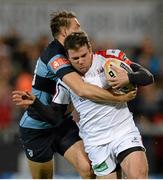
(51, 65)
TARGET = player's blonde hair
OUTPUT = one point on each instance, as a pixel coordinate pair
(60, 19)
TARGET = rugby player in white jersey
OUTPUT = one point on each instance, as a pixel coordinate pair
(108, 130)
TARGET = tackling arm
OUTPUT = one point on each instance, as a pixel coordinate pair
(54, 113)
(61, 67)
(60, 103)
(140, 75)
(89, 91)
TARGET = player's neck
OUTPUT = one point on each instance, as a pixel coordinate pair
(61, 39)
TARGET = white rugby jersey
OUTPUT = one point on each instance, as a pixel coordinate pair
(99, 123)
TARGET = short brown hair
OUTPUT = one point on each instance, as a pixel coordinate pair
(76, 40)
(59, 19)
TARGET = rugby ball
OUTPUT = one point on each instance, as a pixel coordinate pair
(109, 72)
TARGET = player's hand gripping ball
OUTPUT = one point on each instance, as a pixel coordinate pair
(111, 73)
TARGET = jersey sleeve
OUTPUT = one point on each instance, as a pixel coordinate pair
(115, 53)
(62, 95)
(140, 75)
(54, 113)
(60, 66)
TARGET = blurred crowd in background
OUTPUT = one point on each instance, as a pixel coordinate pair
(17, 61)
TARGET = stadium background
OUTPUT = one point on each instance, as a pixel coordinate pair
(133, 26)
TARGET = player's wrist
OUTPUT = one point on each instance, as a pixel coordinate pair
(123, 98)
(119, 98)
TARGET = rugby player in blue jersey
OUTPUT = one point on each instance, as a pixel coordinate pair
(40, 139)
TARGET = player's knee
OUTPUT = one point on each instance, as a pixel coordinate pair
(45, 174)
(139, 173)
(143, 172)
(86, 171)
(41, 170)
(42, 174)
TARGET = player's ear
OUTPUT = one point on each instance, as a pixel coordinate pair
(90, 49)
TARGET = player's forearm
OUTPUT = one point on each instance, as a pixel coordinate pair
(141, 76)
(53, 114)
(89, 91)
(107, 96)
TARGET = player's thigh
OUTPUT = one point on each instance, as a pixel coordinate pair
(79, 159)
(135, 164)
(71, 147)
(77, 156)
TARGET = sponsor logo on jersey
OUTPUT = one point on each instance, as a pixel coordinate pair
(100, 70)
(135, 140)
(30, 152)
(100, 167)
(59, 62)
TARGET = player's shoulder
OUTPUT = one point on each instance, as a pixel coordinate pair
(61, 84)
(110, 53)
(54, 49)
(114, 53)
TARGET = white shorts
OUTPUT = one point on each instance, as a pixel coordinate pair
(104, 157)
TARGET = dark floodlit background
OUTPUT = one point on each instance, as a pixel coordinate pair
(133, 26)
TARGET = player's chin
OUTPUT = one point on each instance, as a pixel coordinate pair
(83, 70)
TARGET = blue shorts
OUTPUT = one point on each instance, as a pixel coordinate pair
(41, 144)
